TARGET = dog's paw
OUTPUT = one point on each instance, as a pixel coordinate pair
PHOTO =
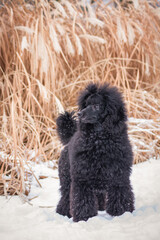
(118, 208)
(83, 218)
(65, 118)
(115, 210)
(66, 126)
(62, 211)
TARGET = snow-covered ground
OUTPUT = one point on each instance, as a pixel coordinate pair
(21, 221)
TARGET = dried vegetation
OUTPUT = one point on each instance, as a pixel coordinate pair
(49, 51)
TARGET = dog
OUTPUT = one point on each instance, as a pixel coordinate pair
(96, 162)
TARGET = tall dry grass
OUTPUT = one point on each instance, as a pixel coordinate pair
(49, 51)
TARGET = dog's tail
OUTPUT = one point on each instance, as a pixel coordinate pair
(66, 126)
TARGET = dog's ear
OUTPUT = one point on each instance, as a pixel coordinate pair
(115, 111)
(82, 99)
(119, 109)
(121, 114)
(115, 121)
(90, 89)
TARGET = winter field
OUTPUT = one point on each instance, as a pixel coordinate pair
(37, 219)
(49, 51)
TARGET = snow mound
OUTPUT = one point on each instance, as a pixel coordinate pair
(38, 220)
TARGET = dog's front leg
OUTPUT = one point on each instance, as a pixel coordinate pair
(83, 202)
(63, 206)
(120, 199)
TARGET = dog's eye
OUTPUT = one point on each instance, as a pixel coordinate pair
(95, 107)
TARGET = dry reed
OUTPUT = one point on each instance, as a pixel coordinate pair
(49, 51)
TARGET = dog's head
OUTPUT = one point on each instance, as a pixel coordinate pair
(101, 103)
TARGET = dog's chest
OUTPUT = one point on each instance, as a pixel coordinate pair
(99, 147)
(91, 159)
(95, 149)
(94, 154)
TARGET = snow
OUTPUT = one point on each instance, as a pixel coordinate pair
(37, 219)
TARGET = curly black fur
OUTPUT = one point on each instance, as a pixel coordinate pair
(95, 164)
(66, 126)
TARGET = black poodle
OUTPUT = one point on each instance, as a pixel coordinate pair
(95, 164)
